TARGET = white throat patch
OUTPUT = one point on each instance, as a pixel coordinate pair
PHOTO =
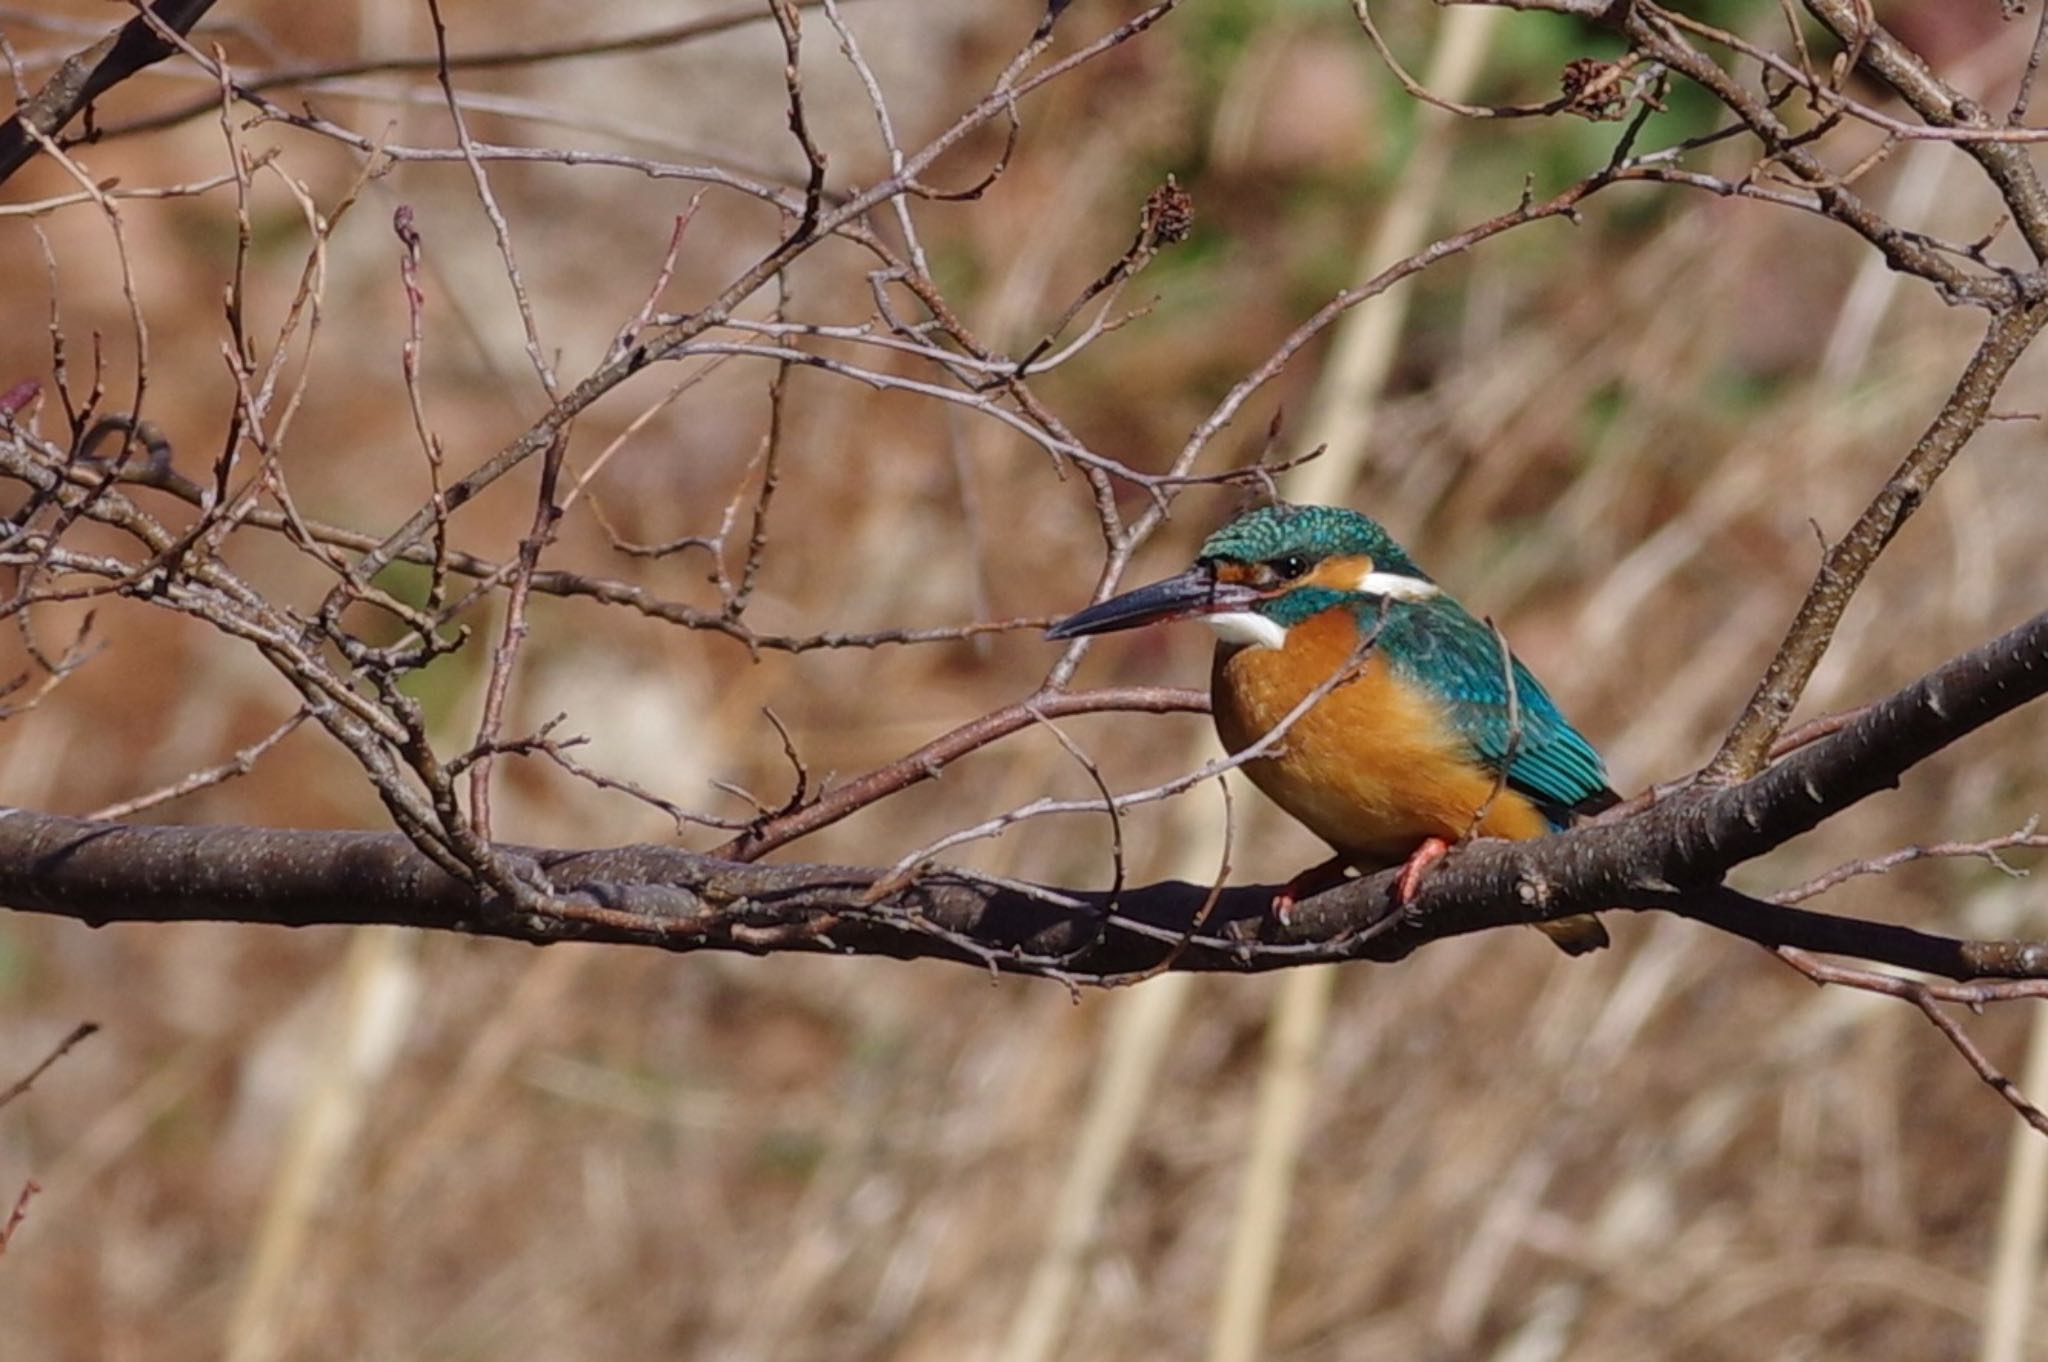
(1248, 628)
(1394, 586)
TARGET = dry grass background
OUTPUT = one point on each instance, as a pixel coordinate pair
(1612, 436)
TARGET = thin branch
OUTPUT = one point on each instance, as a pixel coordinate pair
(63, 1048)
(484, 59)
(86, 76)
(501, 230)
(2009, 166)
(1929, 999)
(19, 1213)
(1264, 745)
(1986, 849)
(2025, 93)
(240, 764)
(1850, 558)
(929, 760)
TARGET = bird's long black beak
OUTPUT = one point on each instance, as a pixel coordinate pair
(1194, 592)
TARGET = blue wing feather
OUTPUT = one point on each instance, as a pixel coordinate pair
(1437, 644)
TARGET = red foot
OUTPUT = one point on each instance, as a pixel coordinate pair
(1431, 851)
(1310, 882)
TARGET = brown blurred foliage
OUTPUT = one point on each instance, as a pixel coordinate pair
(1615, 436)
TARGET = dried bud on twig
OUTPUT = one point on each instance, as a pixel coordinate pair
(1169, 216)
(1595, 89)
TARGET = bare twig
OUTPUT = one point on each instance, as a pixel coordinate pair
(19, 1213)
(932, 758)
(1929, 1000)
(239, 765)
(63, 1048)
(1850, 558)
(483, 59)
(500, 229)
(1513, 691)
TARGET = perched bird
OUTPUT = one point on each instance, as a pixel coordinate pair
(1426, 744)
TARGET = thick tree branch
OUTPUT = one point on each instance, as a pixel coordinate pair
(1669, 857)
(87, 75)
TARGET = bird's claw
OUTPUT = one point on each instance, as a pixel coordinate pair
(1431, 851)
(1283, 905)
(1309, 883)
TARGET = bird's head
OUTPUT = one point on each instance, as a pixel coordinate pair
(1265, 572)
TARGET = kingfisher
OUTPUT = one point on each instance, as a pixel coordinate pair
(1420, 738)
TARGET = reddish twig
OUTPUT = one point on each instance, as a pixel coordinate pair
(929, 760)
(1929, 1000)
(545, 515)
(1988, 849)
(18, 1214)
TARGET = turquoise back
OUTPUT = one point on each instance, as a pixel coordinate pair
(1437, 645)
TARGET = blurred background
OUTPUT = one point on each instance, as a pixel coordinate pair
(1618, 437)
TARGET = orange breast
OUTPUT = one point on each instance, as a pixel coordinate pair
(1375, 767)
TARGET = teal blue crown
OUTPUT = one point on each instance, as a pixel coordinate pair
(1315, 532)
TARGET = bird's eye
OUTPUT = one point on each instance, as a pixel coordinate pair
(1289, 567)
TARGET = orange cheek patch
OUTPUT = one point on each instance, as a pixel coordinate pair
(1340, 574)
(1227, 571)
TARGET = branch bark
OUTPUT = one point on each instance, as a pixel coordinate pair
(2008, 164)
(1668, 857)
(87, 75)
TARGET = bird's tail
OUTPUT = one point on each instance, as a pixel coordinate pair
(1576, 935)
